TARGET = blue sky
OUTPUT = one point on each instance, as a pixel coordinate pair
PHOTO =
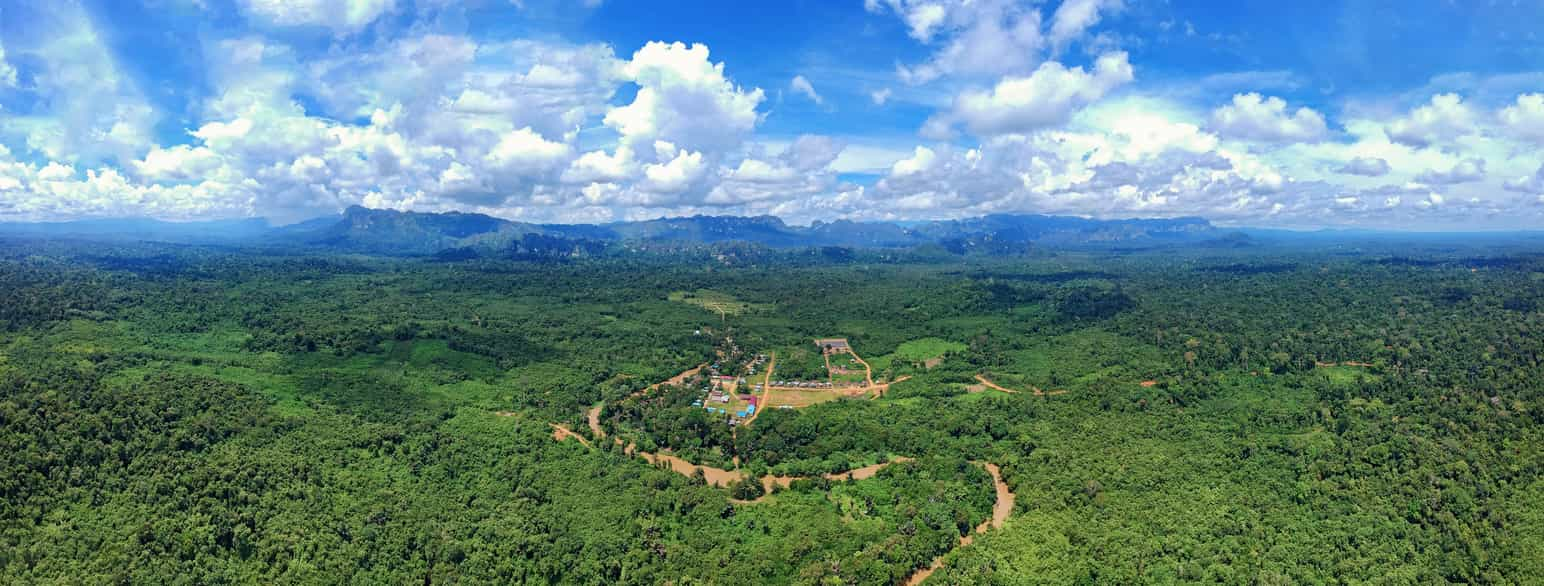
(1410, 115)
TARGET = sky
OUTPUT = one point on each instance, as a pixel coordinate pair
(1408, 114)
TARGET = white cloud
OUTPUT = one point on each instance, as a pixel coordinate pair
(1530, 184)
(921, 160)
(982, 38)
(801, 85)
(7, 71)
(532, 129)
(1444, 118)
(339, 15)
(1074, 17)
(1464, 171)
(598, 166)
(1524, 119)
(1255, 117)
(923, 17)
(524, 151)
(79, 105)
(685, 99)
(1046, 98)
(178, 163)
(676, 175)
(879, 97)
(1365, 166)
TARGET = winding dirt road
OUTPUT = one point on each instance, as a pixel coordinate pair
(1002, 508)
(1036, 391)
(1000, 513)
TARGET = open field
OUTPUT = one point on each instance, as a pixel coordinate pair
(723, 304)
(798, 398)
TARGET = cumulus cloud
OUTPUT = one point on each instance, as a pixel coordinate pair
(1444, 118)
(526, 152)
(1524, 119)
(80, 106)
(1365, 166)
(980, 38)
(342, 16)
(801, 85)
(1046, 98)
(791, 181)
(1464, 171)
(1074, 17)
(1255, 117)
(1529, 184)
(685, 99)
(812, 152)
(677, 174)
(922, 17)
(534, 129)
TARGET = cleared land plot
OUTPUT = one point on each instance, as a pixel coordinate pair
(802, 398)
(717, 302)
(1345, 375)
(926, 349)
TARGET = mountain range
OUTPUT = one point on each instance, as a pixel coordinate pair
(391, 232)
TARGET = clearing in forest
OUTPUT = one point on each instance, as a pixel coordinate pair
(927, 352)
(721, 303)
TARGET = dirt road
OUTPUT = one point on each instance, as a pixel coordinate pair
(562, 432)
(868, 372)
(1001, 510)
(719, 477)
(675, 380)
(993, 385)
(766, 390)
(1036, 391)
(593, 415)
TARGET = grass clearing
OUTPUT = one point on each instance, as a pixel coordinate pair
(717, 302)
(800, 399)
(927, 349)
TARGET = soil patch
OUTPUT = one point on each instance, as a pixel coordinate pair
(560, 433)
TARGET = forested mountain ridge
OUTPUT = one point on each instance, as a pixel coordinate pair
(360, 229)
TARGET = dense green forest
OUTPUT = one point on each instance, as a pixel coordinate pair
(180, 414)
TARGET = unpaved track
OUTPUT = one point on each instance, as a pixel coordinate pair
(1000, 512)
(719, 477)
(1036, 391)
(594, 417)
(562, 432)
(674, 381)
(993, 385)
(766, 389)
(868, 372)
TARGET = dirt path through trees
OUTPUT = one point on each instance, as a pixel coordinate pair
(675, 380)
(1036, 391)
(562, 432)
(1001, 510)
